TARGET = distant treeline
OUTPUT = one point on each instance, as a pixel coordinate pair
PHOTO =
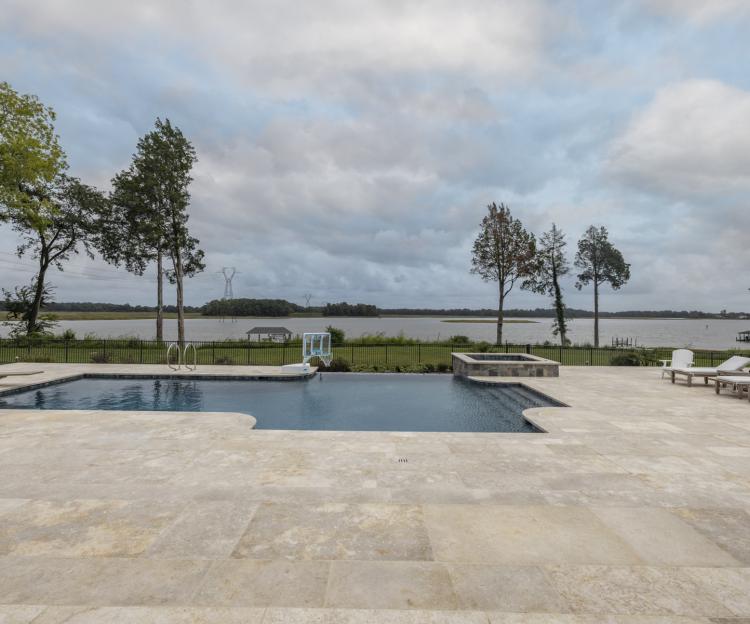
(570, 313)
(88, 306)
(349, 309)
(281, 307)
(250, 307)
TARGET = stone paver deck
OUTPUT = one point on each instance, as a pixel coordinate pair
(633, 508)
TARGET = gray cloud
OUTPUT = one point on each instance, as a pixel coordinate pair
(352, 148)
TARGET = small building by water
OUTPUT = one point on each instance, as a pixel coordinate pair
(277, 334)
(743, 336)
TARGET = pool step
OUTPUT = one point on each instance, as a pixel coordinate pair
(515, 398)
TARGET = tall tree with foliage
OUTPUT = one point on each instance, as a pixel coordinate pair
(55, 230)
(31, 158)
(503, 252)
(54, 213)
(600, 263)
(552, 265)
(148, 217)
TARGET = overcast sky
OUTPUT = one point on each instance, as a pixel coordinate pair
(348, 149)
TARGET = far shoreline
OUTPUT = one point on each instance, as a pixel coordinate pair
(150, 315)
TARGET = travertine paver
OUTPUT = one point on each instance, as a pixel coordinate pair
(634, 508)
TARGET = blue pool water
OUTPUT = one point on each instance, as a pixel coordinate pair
(347, 402)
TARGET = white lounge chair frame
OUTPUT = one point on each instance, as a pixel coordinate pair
(733, 365)
(738, 382)
(681, 358)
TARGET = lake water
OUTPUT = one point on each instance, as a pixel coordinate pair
(703, 334)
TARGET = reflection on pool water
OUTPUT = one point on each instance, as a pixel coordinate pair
(333, 401)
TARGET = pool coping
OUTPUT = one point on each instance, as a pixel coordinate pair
(502, 381)
(186, 376)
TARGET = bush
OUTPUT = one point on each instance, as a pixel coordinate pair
(68, 334)
(631, 358)
(99, 357)
(337, 365)
(41, 358)
(224, 360)
(337, 335)
(459, 339)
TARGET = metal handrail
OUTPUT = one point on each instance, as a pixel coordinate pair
(179, 362)
(195, 356)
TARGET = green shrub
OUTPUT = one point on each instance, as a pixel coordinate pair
(41, 358)
(224, 360)
(631, 358)
(100, 357)
(337, 365)
(459, 339)
(337, 335)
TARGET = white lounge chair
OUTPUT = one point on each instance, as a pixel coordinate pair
(681, 358)
(733, 365)
(738, 382)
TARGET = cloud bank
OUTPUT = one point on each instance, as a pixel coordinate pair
(350, 149)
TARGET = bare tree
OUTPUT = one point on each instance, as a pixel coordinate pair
(504, 252)
(600, 263)
(552, 265)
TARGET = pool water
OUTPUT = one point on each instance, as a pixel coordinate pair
(347, 402)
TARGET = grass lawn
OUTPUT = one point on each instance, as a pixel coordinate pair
(358, 356)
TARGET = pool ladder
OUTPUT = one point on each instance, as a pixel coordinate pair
(182, 356)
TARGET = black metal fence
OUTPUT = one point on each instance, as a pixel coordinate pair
(356, 355)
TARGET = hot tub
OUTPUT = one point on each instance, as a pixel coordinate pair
(503, 365)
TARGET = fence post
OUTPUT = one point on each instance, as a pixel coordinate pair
(591, 356)
(213, 352)
(419, 353)
(352, 354)
(386, 353)
(66, 351)
(141, 350)
(528, 349)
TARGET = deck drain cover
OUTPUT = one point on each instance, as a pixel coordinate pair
(402, 460)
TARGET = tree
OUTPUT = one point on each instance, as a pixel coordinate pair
(552, 265)
(148, 217)
(31, 158)
(52, 211)
(19, 303)
(52, 229)
(504, 252)
(600, 262)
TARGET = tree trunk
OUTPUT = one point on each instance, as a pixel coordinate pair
(178, 274)
(36, 306)
(559, 307)
(499, 338)
(159, 298)
(596, 313)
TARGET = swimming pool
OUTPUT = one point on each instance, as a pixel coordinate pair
(333, 401)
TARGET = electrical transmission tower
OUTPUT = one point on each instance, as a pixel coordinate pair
(307, 297)
(228, 273)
